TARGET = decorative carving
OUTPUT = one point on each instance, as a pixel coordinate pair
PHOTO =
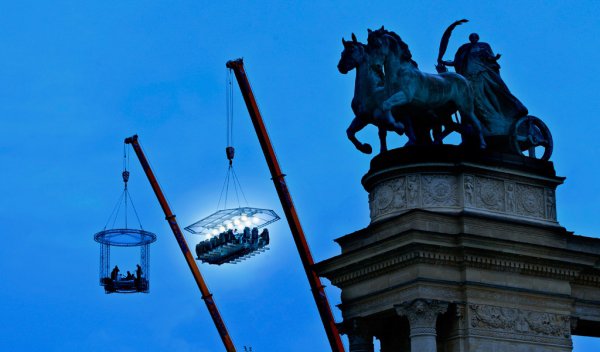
(510, 197)
(550, 204)
(413, 190)
(385, 196)
(549, 324)
(530, 200)
(422, 315)
(398, 186)
(439, 190)
(372, 212)
(388, 197)
(490, 193)
(469, 191)
(461, 315)
(520, 321)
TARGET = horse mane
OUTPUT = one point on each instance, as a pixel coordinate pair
(406, 54)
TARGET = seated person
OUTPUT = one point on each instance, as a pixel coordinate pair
(255, 235)
(230, 236)
(246, 235)
(264, 236)
(114, 274)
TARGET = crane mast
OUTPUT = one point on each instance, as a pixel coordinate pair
(285, 197)
(170, 217)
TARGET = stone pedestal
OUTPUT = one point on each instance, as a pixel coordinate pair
(464, 253)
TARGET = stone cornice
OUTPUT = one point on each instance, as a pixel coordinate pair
(419, 253)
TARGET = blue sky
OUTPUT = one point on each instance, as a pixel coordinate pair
(78, 77)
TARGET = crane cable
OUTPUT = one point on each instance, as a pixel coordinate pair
(230, 176)
(125, 195)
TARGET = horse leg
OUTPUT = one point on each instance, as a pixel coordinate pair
(382, 139)
(438, 135)
(449, 127)
(409, 131)
(468, 116)
(442, 127)
(386, 120)
(356, 125)
(397, 99)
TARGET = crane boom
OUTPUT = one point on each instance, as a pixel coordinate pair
(285, 197)
(170, 217)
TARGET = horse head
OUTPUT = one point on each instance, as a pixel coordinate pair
(383, 43)
(352, 55)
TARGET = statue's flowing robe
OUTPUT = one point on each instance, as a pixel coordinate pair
(495, 106)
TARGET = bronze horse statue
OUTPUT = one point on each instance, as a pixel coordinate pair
(409, 89)
(369, 94)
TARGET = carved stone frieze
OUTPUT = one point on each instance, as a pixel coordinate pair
(519, 321)
(388, 197)
(477, 192)
(530, 200)
(439, 190)
(561, 343)
(490, 193)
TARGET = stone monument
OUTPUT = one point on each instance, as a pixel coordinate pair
(464, 251)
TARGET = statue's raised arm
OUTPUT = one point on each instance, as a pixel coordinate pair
(495, 106)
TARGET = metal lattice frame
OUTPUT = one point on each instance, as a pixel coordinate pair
(104, 261)
(124, 238)
(145, 260)
(257, 218)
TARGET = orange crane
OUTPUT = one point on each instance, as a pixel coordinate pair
(288, 207)
(170, 217)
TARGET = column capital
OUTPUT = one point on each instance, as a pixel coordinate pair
(422, 314)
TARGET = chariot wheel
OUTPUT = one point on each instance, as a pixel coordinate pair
(529, 136)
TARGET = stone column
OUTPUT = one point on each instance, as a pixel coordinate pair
(359, 336)
(422, 316)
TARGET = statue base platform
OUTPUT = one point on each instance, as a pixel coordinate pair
(464, 253)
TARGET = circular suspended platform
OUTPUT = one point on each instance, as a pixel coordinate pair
(113, 281)
(233, 235)
(123, 285)
(125, 237)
